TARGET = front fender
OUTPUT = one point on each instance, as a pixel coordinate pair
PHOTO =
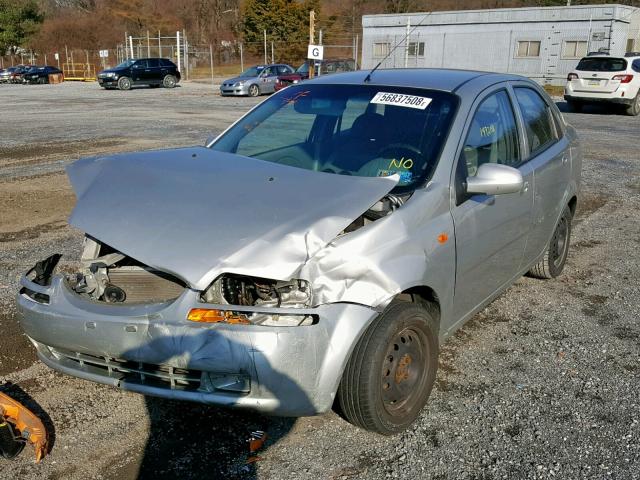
(413, 246)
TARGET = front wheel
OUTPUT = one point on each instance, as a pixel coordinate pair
(254, 91)
(555, 256)
(634, 108)
(124, 83)
(392, 369)
(169, 81)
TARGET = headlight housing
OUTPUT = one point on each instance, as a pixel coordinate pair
(110, 74)
(238, 84)
(245, 291)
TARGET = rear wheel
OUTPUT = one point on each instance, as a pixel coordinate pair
(124, 83)
(634, 108)
(42, 80)
(555, 256)
(254, 91)
(169, 81)
(392, 369)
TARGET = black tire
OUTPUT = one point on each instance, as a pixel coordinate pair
(169, 81)
(392, 369)
(574, 106)
(42, 80)
(555, 256)
(124, 83)
(254, 90)
(634, 108)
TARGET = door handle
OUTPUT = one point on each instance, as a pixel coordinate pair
(525, 187)
(147, 70)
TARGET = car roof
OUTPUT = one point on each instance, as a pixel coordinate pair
(447, 80)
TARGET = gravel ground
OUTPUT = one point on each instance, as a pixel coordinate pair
(543, 383)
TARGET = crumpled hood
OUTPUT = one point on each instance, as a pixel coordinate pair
(197, 213)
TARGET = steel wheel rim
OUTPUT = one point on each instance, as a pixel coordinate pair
(404, 371)
(168, 82)
(253, 90)
(560, 243)
(125, 83)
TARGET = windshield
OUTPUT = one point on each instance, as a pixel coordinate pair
(125, 64)
(361, 130)
(304, 68)
(599, 64)
(252, 72)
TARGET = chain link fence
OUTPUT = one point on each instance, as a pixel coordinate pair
(196, 61)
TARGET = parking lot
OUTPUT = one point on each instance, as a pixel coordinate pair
(545, 382)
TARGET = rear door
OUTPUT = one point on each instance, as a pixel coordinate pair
(153, 72)
(596, 74)
(491, 230)
(548, 154)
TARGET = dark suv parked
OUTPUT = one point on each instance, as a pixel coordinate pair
(143, 71)
(39, 74)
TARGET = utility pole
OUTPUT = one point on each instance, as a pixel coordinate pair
(312, 32)
(406, 46)
(265, 46)
(319, 43)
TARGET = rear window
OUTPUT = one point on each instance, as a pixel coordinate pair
(599, 64)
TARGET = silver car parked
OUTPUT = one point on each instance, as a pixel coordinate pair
(255, 80)
(324, 246)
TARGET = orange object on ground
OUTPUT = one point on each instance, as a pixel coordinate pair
(24, 423)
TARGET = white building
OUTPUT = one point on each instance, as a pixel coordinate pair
(544, 43)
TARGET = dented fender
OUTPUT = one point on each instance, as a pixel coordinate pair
(403, 250)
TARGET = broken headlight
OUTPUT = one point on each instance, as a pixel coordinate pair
(243, 290)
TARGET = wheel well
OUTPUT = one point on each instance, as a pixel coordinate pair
(572, 205)
(422, 294)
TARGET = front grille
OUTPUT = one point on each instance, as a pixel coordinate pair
(163, 376)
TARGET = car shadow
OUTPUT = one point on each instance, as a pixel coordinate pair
(592, 109)
(190, 440)
(17, 393)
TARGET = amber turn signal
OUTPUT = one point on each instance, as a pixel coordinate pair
(208, 315)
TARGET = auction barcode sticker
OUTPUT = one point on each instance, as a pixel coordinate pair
(401, 100)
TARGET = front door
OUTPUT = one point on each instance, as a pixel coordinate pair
(268, 79)
(491, 230)
(138, 71)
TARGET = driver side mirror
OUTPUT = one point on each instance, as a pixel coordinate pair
(495, 179)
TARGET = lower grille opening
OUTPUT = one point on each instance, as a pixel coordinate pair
(162, 376)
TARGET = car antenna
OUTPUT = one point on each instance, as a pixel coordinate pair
(367, 79)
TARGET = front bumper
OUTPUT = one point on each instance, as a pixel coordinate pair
(242, 90)
(108, 82)
(152, 349)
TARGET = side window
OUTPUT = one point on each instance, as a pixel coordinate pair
(140, 64)
(537, 119)
(492, 136)
(636, 65)
(153, 63)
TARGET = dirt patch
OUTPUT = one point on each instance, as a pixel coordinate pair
(35, 152)
(34, 206)
(16, 352)
(590, 203)
(31, 232)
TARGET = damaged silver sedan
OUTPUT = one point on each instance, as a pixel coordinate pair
(320, 249)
